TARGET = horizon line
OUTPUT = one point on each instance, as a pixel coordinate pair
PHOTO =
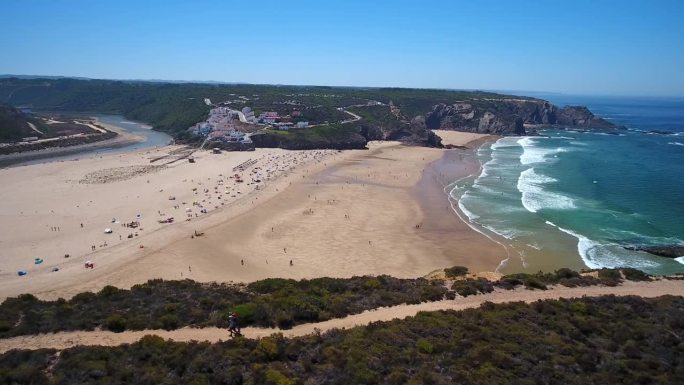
(221, 82)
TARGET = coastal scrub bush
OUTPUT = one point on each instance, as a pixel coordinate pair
(470, 286)
(600, 340)
(173, 304)
(534, 283)
(610, 277)
(509, 282)
(564, 276)
(169, 322)
(565, 273)
(632, 274)
(456, 271)
(116, 323)
(284, 321)
(530, 281)
(424, 346)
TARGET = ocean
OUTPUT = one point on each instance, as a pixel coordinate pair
(577, 199)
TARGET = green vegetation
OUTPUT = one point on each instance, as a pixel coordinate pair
(173, 107)
(566, 277)
(380, 116)
(541, 280)
(14, 125)
(455, 271)
(338, 136)
(160, 304)
(471, 286)
(632, 274)
(604, 340)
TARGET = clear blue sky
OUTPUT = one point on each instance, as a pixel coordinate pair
(583, 47)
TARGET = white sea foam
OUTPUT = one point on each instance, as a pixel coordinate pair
(584, 246)
(471, 216)
(485, 189)
(485, 168)
(680, 260)
(676, 143)
(577, 143)
(504, 142)
(596, 255)
(535, 198)
(508, 233)
(533, 154)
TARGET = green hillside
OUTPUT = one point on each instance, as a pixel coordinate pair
(172, 107)
(14, 125)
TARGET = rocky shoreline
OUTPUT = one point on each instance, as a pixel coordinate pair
(667, 251)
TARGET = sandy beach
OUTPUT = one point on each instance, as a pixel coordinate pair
(311, 214)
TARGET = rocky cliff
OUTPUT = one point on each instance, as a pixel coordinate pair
(414, 132)
(510, 116)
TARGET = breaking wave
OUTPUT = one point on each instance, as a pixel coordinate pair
(534, 154)
(535, 197)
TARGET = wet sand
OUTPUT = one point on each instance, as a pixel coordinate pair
(442, 225)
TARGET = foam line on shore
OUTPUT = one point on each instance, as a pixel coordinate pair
(459, 210)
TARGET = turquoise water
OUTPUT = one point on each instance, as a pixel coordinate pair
(573, 198)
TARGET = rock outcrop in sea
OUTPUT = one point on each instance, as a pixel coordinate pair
(414, 132)
(667, 251)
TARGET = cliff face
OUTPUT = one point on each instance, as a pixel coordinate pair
(580, 116)
(414, 133)
(509, 116)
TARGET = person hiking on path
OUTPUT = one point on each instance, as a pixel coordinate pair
(233, 325)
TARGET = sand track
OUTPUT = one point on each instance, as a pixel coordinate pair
(65, 340)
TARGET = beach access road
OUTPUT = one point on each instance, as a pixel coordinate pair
(65, 340)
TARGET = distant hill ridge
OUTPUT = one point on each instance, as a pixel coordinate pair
(387, 113)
